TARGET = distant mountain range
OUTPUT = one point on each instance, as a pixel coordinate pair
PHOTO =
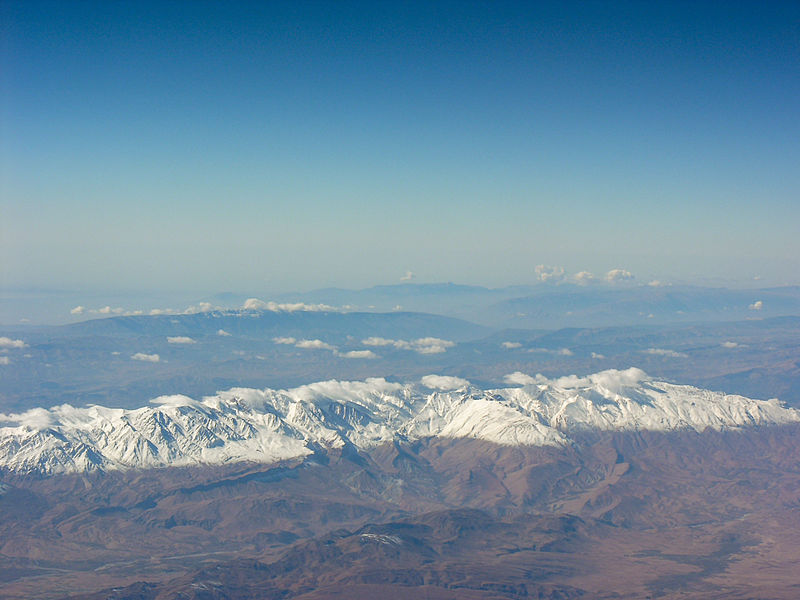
(550, 306)
(266, 426)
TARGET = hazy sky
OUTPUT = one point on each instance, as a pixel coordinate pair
(278, 146)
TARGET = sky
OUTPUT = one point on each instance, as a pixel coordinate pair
(269, 147)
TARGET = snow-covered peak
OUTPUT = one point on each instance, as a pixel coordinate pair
(244, 424)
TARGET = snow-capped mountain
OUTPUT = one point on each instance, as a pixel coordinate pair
(243, 424)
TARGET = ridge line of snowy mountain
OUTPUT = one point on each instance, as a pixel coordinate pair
(244, 424)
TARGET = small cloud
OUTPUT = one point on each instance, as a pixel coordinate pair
(519, 378)
(729, 345)
(115, 353)
(757, 305)
(35, 418)
(408, 276)
(314, 345)
(597, 355)
(284, 340)
(107, 310)
(358, 354)
(584, 278)
(511, 345)
(78, 310)
(256, 304)
(223, 332)
(200, 307)
(377, 341)
(7, 342)
(559, 352)
(547, 273)
(617, 275)
(398, 307)
(428, 345)
(4, 360)
(664, 352)
(146, 357)
(431, 345)
(443, 382)
(180, 339)
(175, 400)
(161, 311)
(656, 283)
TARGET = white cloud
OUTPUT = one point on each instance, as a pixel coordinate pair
(36, 418)
(656, 283)
(346, 390)
(732, 345)
(431, 345)
(7, 342)
(408, 276)
(377, 341)
(611, 379)
(511, 345)
(617, 275)
(180, 339)
(314, 345)
(559, 352)
(757, 305)
(4, 360)
(665, 352)
(223, 332)
(427, 345)
(596, 355)
(175, 400)
(146, 357)
(519, 378)
(584, 277)
(358, 354)
(200, 307)
(78, 310)
(256, 304)
(443, 382)
(116, 353)
(549, 273)
(284, 340)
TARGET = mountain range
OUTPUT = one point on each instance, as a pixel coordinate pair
(268, 426)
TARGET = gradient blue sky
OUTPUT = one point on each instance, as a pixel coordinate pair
(277, 146)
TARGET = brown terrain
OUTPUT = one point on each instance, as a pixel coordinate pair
(625, 515)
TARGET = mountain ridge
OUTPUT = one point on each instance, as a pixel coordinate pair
(267, 426)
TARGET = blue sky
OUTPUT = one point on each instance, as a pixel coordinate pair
(278, 146)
